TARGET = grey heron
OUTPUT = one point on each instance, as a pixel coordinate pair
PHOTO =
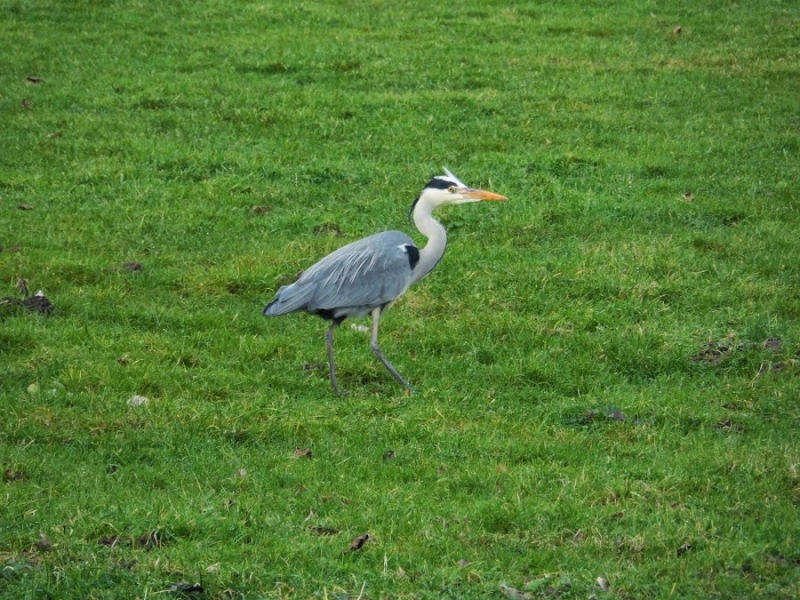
(366, 276)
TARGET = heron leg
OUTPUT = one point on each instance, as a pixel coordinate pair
(331, 363)
(376, 316)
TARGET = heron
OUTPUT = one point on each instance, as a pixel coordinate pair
(366, 276)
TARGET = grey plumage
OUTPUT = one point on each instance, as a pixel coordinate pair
(353, 280)
(366, 276)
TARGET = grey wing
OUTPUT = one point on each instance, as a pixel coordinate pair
(354, 279)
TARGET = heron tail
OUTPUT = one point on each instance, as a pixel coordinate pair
(290, 298)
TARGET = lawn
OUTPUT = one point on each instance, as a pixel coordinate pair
(605, 367)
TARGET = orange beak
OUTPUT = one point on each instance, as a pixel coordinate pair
(481, 195)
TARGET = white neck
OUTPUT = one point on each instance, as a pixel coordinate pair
(432, 253)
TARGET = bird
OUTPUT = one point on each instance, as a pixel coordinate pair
(366, 276)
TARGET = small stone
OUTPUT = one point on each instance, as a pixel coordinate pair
(137, 400)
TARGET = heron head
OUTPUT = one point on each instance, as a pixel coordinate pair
(449, 189)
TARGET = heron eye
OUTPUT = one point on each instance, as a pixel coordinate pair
(452, 189)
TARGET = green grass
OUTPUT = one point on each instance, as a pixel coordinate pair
(599, 291)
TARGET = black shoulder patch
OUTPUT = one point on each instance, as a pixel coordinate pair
(413, 255)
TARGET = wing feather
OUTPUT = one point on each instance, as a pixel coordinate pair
(352, 280)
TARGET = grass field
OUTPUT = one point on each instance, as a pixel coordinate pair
(605, 367)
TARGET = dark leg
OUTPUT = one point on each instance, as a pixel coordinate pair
(331, 364)
(376, 316)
